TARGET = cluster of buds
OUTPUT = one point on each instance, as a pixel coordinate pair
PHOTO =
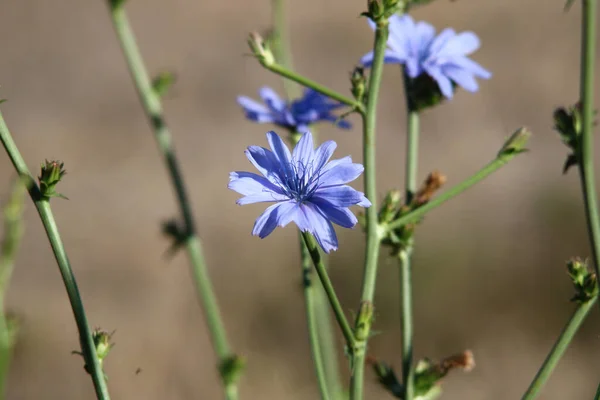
(261, 50)
(584, 281)
(381, 10)
(51, 173)
(359, 83)
(427, 377)
(567, 122)
(393, 209)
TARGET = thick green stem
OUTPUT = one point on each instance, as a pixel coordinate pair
(310, 300)
(453, 192)
(153, 108)
(373, 234)
(42, 205)
(559, 349)
(586, 162)
(338, 311)
(412, 153)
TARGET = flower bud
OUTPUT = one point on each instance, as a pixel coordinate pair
(260, 49)
(231, 369)
(515, 143)
(51, 173)
(364, 319)
(358, 80)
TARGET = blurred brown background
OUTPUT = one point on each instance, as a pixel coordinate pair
(489, 272)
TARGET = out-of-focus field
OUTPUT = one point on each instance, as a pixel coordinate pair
(489, 271)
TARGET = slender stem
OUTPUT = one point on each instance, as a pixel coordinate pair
(412, 153)
(13, 231)
(597, 396)
(311, 245)
(586, 164)
(565, 338)
(369, 159)
(153, 108)
(310, 301)
(286, 73)
(453, 192)
(281, 44)
(42, 205)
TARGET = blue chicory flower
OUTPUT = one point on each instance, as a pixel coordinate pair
(305, 187)
(442, 57)
(296, 115)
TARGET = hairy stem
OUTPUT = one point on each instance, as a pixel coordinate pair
(88, 348)
(152, 106)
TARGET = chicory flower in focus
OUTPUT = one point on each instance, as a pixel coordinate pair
(296, 115)
(305, 186)
(443, 57)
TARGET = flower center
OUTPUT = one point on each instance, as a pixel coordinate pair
(300, 181)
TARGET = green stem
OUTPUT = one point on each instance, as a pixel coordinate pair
(559, 349)
(597, 396)
(313, 250)
(373, 234)
(310, 301)
(42, 205)
(153, 108)
(412, 153)
(453, 192)
(13, 232)
(280, 45)
(586, 164)
(286, 73)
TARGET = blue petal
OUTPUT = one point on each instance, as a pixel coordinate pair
(472, 66)
(424, 35)
(321, 228)
(323, 154)
(462, 44)
(254, 110)
(440, 41)
(264, 197)
(463, 78)
(304, 150)
(268, 220)
(338, 215)
(390, 57)
(282, 153)
(265, 161)
(248, 183)
(340, 196)
(442, 80)
(402, 33)
(340, 173)
(272, 99)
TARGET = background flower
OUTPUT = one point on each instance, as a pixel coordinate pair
(442, 57)
(305, 187)
(296, 115)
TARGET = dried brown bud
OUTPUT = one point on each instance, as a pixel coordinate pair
(435, 180)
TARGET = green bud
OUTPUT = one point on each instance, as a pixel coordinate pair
(231, 369)
(391, 205)
(577, 270)
(375, 9)
(163, 82)
(515, 144)
(358, 80)
(584, 281)
(423, 92)
(102, 342)
(364, 319)
(260, 49)
(429, 374)
(114, 4)
(387, 377)
(51, 173)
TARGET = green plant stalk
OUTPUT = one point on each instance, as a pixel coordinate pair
(586, 162)
(325, 358)
(338, 311)
(373, 233)
(565, 338)
(153, 108)
(13, 231)
(280, 45)
(483, 173)
(88, 347)
(406, 327)
(291, 75)
(597, 396)
(310, 301)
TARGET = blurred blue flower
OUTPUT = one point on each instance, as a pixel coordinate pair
(305, 187)
(296, 115)
(443, 57)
